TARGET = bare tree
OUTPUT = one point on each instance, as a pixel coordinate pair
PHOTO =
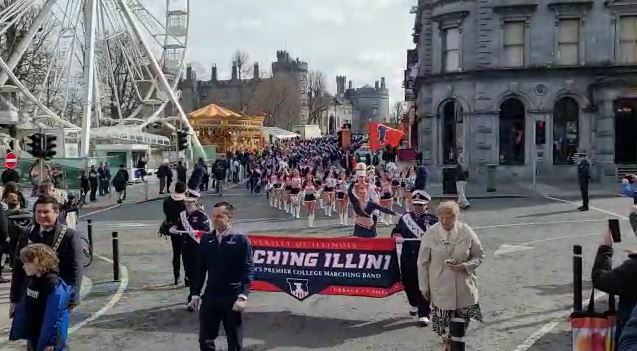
(318, 98)
(241, 60)
(398, 111)
(277, 99)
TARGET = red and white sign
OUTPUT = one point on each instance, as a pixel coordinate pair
(11, 160)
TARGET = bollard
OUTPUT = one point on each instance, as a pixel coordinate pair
(115, 257)
(89, 231)
(577, 278)
(456, 332)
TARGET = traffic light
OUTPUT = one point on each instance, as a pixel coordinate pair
(540, 132)
(35, 146)
(182, 140)
(49, 146)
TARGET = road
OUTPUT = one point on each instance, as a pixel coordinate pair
(525, 283)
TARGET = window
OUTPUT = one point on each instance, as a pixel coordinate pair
(568, 35)
(451, 50)
(514, 44)
(565, 131)
(512, 128)
(628, 39)
(450, 115)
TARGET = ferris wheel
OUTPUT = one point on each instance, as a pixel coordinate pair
(87, 64)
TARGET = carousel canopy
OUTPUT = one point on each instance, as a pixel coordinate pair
(213, 111)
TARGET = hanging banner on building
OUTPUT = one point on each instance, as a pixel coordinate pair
(302, 267)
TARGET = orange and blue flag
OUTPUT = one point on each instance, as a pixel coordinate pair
(381, 135)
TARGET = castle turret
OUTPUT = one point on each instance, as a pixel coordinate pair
(213, 73)
(340, 85)
(255, 71)
(234, 71)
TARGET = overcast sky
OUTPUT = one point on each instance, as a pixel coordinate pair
(361, 39)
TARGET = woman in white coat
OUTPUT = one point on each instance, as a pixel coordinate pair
(450, 252)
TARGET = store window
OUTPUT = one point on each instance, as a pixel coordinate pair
(512, 132)
(565, 131)
(514, 44)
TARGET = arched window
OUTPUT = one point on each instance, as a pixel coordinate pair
(565, 131)
(450, 115)
(512, 132)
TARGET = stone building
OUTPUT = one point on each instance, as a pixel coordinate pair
(368, 103)
(238, 92)
(493, 72)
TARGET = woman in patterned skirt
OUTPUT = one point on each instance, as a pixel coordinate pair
(448, 258)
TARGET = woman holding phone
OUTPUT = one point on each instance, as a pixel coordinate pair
(450, 252)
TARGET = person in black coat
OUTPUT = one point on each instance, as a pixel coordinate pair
(194, 221)
(120, 182)
(165, 175)
(584, 178)
(181, 172)
(10, 175)
(621, 280)
(413, 225)
(92, 179)
(65, 241)
(173, 205)
(225, 259)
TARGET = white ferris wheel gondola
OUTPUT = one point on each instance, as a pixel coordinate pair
(104, 63)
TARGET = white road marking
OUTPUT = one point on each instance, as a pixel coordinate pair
(590, 207)
(535, 224)
(547, 328)
(507, 249)
(100, 211)
(123, 285)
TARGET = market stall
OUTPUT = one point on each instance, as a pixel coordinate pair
(226, 129)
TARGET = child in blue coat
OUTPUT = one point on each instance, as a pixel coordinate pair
(42, 315)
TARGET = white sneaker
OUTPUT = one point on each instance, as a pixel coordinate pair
(424, 321)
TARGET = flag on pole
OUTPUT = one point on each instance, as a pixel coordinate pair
(381, 135)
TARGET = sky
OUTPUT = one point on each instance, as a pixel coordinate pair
(361, 39)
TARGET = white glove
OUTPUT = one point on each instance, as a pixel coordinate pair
(173, 230)
(195, 302)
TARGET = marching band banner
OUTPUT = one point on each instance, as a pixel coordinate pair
(302, 267)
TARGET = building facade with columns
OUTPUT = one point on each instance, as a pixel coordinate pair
(490, 70)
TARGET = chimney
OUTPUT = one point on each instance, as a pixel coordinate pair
(376, 85)
(255, 71)
(382, 83)
(213, 74)
(234, 71)
(189, 73)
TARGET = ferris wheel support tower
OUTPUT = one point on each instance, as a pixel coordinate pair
(163, 82)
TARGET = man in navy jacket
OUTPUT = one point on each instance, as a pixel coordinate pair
(225, 257)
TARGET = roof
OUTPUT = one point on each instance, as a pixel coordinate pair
(212, 111)
(279, 133)
(129, 134)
